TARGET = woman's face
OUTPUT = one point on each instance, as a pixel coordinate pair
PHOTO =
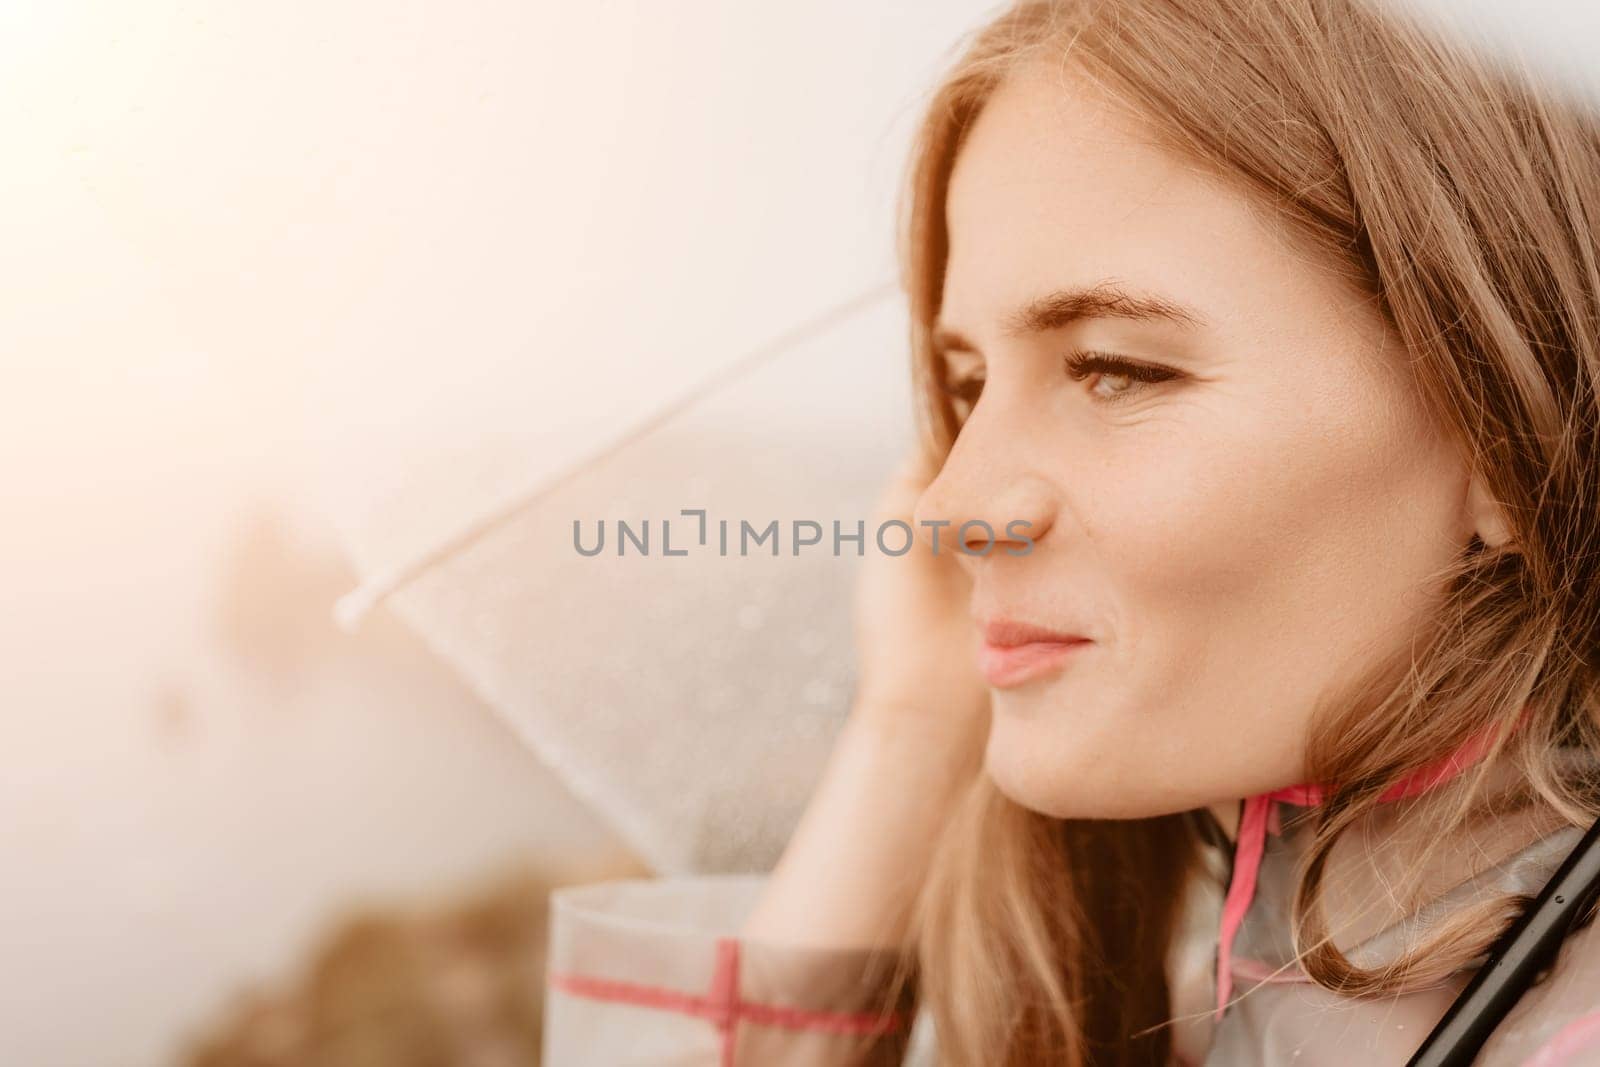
(1237, 536)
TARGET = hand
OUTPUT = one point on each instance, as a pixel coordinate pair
(913, 743)
(916, 643)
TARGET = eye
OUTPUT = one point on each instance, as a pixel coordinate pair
(1125, 377)
(963, 391)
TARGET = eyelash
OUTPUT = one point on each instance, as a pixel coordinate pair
(1079, 364)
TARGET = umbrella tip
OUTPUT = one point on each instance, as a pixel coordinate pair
(350, 609)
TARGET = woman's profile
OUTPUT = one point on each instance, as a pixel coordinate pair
(1245, 679)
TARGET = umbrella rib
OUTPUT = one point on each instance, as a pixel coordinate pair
(354, 606)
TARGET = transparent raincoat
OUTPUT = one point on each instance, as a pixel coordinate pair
(653, 972)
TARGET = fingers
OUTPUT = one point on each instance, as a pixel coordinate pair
(914, 473)
(921, 466)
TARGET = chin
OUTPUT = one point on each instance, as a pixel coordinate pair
(1023, 771)
(1028, 767)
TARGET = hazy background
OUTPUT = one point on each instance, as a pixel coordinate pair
(257, 257)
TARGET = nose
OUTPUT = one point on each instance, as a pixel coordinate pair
(987, 500)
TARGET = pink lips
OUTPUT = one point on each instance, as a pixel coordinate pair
(1016, 652)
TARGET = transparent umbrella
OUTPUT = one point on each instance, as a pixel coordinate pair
(667, 621)
(688, 306)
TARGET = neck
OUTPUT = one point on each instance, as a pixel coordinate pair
(1227, 814)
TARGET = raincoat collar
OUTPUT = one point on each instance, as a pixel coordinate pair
(1257, 818)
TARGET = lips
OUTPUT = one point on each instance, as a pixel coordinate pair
(1015, 652)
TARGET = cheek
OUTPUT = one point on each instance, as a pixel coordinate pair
(1316, 513)
(1249, 566)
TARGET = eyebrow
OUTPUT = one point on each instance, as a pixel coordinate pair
(1066, 306)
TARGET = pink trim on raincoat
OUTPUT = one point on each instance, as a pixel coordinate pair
(1252, 837)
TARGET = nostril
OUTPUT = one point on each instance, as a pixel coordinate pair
(977, 537)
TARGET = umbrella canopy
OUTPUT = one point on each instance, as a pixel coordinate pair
(704, 208)
(687, 678)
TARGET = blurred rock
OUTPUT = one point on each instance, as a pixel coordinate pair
(455, 984)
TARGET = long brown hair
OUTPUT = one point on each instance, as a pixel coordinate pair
(1459, 197)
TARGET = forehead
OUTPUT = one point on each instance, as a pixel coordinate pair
(1060, 185)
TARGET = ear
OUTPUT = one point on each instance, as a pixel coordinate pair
(1487, 516)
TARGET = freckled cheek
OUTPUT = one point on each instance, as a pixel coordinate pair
(1223, 522)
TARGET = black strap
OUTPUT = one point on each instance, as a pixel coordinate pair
(1526, 949)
